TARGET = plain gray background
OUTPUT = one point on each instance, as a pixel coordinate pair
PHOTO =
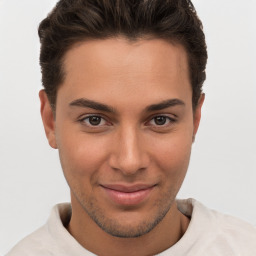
(222, 170)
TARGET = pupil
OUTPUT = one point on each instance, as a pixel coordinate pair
(160, 120)
(94, 120)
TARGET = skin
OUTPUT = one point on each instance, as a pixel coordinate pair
(128, 145)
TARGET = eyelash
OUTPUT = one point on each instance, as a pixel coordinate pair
(82, 120)
(167, 119)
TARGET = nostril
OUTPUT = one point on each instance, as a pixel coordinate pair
(129, 155)
(128, 165)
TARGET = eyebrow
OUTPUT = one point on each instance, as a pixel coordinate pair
(165, 104)
(86, 103)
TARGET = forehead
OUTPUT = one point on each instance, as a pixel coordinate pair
(120, 68)
(116, 54)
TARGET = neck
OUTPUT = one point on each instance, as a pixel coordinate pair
(93, 238)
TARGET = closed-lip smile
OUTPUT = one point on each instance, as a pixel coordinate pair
(127, 194)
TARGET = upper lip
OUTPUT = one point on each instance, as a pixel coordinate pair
(128, 188)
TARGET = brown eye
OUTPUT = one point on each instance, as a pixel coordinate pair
(160, 120)
(94, 120)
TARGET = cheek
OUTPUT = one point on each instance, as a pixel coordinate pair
(174, 164)
(172, 155)
(175, 157)
(81, 155)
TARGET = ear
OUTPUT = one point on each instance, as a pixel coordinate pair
(48, 119)
(197, 114)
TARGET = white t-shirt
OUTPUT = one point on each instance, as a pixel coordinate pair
(209, 233)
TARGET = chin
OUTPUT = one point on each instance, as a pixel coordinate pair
(121, 230)
(129, 223)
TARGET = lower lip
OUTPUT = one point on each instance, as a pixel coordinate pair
(128, 198)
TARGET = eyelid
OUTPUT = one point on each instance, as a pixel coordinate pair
(170, 116)
(171, 120)
(81, 119)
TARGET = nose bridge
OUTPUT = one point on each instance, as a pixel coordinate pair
(129, 156)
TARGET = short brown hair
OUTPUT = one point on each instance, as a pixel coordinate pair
(73, 21)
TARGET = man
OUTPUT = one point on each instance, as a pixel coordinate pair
(122, 104)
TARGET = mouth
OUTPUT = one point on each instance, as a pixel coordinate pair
(128, 195)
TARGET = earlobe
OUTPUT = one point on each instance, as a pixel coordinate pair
(197, 115)
(48, 119)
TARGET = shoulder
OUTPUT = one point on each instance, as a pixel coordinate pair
(33, 244)
(235, 232)
(224, 223)
(44, 241)
(217, 233)
(51, 239)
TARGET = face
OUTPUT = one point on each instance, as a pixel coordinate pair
(124, 127)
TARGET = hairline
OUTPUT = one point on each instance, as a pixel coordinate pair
(131, 39)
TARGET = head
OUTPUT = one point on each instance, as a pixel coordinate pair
(122, 103)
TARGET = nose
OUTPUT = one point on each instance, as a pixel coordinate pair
(129, 153)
